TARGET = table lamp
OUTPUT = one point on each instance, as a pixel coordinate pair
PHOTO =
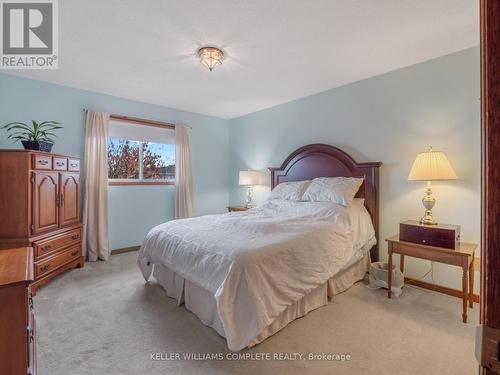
(249, 179)
(431, 166)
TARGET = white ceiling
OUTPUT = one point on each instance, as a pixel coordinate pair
(277, 50)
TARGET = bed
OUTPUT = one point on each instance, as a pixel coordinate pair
(248, 274)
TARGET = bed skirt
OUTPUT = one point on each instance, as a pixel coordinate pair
(202, 303)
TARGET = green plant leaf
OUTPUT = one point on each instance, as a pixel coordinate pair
(13, 123)
(20, 126)
(26, 129)
(35, 129)
(49, 123)
(48, 134)
(18, 134)
(48, 128)
(19, 138)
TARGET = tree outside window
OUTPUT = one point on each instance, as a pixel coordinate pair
(130, 160)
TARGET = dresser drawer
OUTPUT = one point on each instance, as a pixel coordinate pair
(42, 161)
(48, 265)
(48, 246)
(73, 165)
(60, 164)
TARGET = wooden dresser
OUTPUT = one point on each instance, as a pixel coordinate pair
(17, 322)
(40, 208)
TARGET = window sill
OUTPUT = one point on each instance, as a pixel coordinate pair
(131, 183)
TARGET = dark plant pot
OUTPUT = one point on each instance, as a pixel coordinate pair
(37, 145)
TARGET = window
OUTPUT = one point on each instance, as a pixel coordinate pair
(140, 154)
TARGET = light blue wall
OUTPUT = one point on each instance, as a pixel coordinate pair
(388, 118)
(133, 209)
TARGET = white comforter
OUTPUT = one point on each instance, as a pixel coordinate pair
(259, 262)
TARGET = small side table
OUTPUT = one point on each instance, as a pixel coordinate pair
(236, 208)
(462, 256)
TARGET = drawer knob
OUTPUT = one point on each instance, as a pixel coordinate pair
(74, 165)
(46, 248)
(75, 236)
(75, 253)
(44, 268)
(60, 163)
(43, 162)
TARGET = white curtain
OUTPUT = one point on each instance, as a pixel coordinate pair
(183, 174)
(95, 196)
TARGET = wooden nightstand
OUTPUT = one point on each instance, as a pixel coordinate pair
(462, 256)
(236, 208)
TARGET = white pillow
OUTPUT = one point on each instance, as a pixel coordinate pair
(291, 191)
(339, 190)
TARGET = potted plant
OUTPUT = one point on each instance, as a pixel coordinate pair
(36, 136)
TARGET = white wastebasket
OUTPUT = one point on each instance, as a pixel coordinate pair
(379, 272)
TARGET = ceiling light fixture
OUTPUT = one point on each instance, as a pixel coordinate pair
(210, 57)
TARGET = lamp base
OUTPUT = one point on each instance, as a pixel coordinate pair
(248, 203)
(428, 201)
(428, 219)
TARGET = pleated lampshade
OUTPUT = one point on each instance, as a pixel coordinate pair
(431, 165)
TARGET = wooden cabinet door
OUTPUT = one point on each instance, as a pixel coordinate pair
(45, 195)
(69, 210)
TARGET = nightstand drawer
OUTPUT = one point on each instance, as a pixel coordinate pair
(442, 235)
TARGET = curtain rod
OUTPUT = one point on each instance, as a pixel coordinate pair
(140, 121)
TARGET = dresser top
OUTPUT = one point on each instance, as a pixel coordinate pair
(16, 266)
(23, 151)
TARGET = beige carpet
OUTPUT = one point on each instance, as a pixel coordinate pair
(103, 319)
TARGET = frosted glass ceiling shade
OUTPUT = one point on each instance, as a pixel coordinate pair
(430, 166)
(249, 178)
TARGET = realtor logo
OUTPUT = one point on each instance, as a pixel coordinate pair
(29, 37)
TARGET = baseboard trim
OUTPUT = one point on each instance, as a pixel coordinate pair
(125, 250)
(438, 288)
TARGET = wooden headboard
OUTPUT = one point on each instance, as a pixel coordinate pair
(319, 160)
